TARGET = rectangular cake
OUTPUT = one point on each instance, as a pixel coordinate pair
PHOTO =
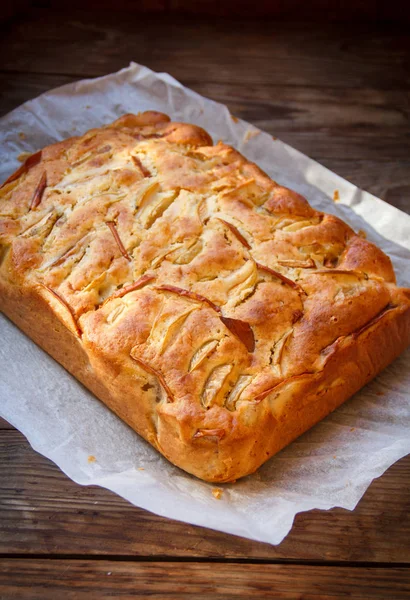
(212, 309)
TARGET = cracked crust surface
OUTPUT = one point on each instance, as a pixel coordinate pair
(212, 309)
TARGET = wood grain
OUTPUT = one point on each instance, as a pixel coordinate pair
(309, 119)
(244, 52)
(16, 88)
(315, 10)
(388, 180)
(5, 425)
(44, 512)
(76, 579)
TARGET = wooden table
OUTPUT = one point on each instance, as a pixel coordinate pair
(339, 93)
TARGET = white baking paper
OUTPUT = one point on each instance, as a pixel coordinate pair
(331, 465)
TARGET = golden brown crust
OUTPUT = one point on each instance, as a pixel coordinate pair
(213, 310)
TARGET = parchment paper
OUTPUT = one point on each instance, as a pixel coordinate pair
(331, 465)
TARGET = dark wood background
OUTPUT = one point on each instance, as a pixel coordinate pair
(347, 11)
(340, 92)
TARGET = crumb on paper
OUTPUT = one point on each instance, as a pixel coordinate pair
(140, 469)
(91, 458)
(334, 456)
(352, 428)
(361, 233)
(274, 138)
(217, 493)
(336, 196)
(24, 156)
(234, 119)
(22, 135)
(250, 134)
(88, 106)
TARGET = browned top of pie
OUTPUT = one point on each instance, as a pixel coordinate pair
(180, 259)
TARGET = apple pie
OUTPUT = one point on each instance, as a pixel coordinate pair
(212, 309)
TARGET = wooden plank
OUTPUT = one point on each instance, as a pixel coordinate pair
(44, 512)
(18, 88)
(314, 10)
(245, 52)
(389, 181)
(136, 6)
(370, 124)
(5, 425)
(76, 579)
(323, 122)
(291, 107)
